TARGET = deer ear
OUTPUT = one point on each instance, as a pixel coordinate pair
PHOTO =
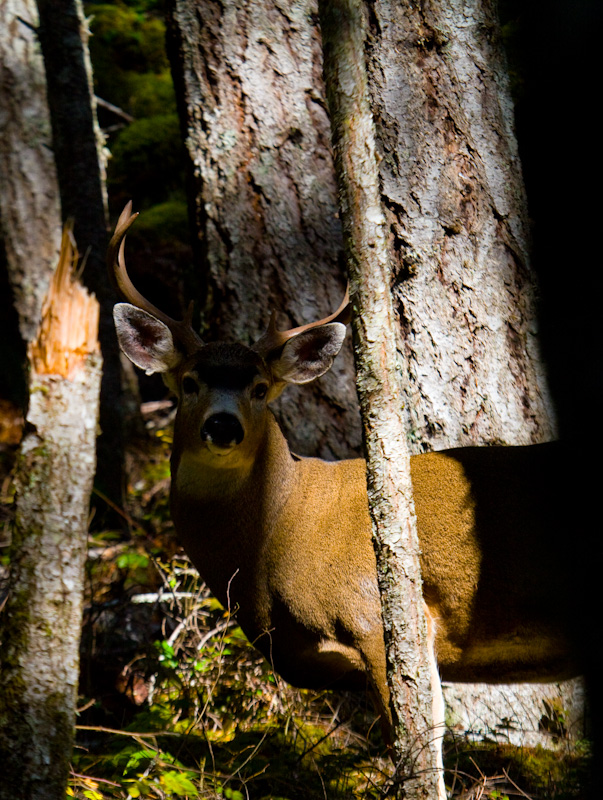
(146, 341)
(309, 354)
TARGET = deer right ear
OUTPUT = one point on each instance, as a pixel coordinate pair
(309, 354)
(146, 341)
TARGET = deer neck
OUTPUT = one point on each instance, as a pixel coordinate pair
(225, 518)
(249, 495)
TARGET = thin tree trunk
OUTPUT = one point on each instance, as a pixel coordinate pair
(344, 31)
(41, 621)
(248, 79)
(29, 204)
(78, 151)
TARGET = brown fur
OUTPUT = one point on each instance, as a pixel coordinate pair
(289, 547)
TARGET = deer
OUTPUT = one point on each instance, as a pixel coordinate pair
(286, 540)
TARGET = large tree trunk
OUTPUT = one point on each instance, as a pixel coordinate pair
(452, 184)
(78, 150)
(453, 190)
(248, 78)
(344, 29)
(41, 621)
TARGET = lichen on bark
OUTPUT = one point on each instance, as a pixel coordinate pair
(344, 31)
(41, 620)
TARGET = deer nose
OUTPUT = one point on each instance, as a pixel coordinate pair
(223, 430)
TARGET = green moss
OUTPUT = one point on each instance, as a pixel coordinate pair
(124, 40)
(164, 223)
(151, 94)
(554, 774)
(14, 637)
(147, 159)
(131, 71)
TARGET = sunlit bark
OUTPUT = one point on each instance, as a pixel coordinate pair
(378, 369)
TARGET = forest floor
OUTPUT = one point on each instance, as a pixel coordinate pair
(174, 702)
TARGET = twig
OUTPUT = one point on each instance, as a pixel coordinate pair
(220, 628)
(132, 523)
(119, 112)
(163, 597)
(94, 780)
(133, 734)
(512, 782)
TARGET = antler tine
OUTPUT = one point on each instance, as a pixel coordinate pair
(182, 330)
(273, 340)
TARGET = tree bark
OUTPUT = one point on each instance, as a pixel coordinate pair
(248, 79)
(344, 30)
(41, 621)
(453, 188)
(63, 36)
(29, 207)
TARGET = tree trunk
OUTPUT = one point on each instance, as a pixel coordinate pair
(248, 79)
(452, 185)
(41, 620)
(29, 207)
(63, 37)
(344, 31)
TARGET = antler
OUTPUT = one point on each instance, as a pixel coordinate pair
(273, 340)
(182, 330)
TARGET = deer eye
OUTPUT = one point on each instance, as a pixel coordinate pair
(189, 385)
(260, 391)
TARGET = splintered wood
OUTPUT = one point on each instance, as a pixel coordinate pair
(68, 331)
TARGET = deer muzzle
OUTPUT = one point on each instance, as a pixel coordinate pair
(222, 432)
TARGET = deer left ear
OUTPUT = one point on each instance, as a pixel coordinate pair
(146, 341)
(309, 354)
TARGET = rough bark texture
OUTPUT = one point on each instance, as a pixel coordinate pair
(63, 37)
(249, 82)
(344, 30)
(29, 204)
(42, 617)
(549, 715)
(452, 184)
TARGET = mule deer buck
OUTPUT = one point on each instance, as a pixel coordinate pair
(286, 541)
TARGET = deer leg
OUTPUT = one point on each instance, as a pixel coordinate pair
(438, 708)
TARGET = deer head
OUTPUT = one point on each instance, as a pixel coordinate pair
(223, 388)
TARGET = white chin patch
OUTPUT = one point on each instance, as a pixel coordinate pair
(217, 450)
